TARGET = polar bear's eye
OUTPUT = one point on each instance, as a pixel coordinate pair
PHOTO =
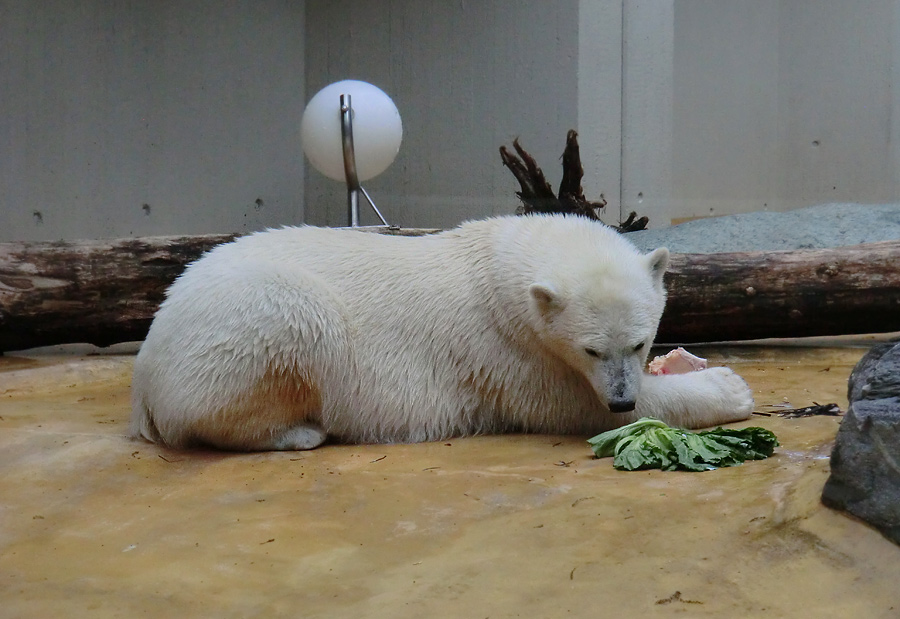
(592, 353)
(639, 347)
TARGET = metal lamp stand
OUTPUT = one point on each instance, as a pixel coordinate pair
(353, 186)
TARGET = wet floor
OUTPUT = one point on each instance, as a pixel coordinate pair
(95, 524)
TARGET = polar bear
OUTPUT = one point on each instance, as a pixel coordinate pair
(542, 323)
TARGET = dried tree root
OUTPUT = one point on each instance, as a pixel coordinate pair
(537, 195)
(832, 410)
(633, 223)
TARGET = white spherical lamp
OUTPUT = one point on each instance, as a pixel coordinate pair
(377, 130)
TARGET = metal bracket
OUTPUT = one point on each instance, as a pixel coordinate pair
(353, 186)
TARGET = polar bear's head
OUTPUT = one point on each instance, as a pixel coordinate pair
(601, 319)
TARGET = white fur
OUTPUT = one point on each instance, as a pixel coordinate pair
(283, 337)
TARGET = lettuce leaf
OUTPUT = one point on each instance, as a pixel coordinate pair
(651, 444)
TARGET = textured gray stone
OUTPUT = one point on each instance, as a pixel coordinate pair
(865, 462)
(813, 227)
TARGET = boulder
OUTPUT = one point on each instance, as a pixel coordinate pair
(865, 461)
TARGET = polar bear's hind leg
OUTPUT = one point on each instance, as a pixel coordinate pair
(300, 437)
(280, 414)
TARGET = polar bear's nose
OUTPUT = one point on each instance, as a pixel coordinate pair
(621, 406)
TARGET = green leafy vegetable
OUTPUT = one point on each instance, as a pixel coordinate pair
(650, 444)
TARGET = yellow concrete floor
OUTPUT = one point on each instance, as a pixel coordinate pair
(95, 524)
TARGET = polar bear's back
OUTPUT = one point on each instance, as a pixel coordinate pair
(450, 282)
(346, 252)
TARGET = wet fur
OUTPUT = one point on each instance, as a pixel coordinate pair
(283, 338)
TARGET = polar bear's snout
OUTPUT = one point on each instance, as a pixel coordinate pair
(621, 406)
(622, 397)
(620, 380)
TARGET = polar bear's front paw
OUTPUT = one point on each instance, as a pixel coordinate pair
(735, 398)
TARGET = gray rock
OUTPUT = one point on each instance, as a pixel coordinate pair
(858, 385)
(813, 227)
(865, 461)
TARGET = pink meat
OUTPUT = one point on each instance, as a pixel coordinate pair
(678, 361)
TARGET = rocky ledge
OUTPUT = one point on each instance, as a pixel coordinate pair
(865, 462)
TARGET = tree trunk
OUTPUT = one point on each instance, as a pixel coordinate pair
(99, 292)
(751, 295)
(105, 292)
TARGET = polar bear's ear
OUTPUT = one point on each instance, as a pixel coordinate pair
(658, 261)
(545, 298)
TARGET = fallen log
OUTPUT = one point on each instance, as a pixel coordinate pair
(772, 294)
(97, 292)
(105, 292)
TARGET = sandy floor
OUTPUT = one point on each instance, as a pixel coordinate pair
(94, 524)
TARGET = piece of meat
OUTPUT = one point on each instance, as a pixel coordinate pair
(678, 361)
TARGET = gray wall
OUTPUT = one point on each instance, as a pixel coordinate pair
(467, 78)
(780, 104)
(685, 109)
(142, 117)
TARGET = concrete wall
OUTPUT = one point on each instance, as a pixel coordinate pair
(685, 109)
(780, 104)
(467, 78)
(470, 77)
(648, 38)
(140, 117)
